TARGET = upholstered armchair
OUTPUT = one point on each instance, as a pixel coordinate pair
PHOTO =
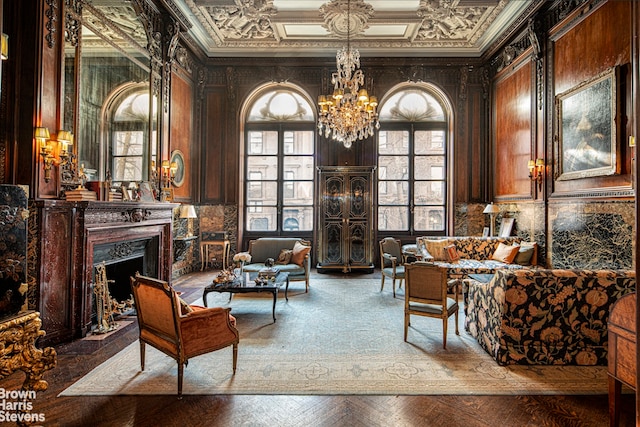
(391, 264)
(179, 330)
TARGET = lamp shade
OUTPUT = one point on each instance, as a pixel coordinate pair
(187, 211)
(41, 133)
(491, 209)
(65, 136)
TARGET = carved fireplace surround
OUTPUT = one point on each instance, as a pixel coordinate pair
(72, 237)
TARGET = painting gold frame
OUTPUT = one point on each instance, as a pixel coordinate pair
(586, 129)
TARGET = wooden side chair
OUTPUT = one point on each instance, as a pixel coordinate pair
(179, 330)
(426, 295)
(391, 264)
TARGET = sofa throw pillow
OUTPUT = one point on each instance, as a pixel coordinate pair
(505, 253)
(298, 253)
(284, 257)
(525, 253)
(436, 248)
(452, 253)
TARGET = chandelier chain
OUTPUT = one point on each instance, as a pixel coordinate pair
(349, 113)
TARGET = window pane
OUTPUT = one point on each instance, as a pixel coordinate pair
(300, 166)
(429, 218)
(262, 142)
(281, 105)
(395, 167)
(429, 142)
(429, 167)
(393, 218)
(412, 105)
(299, 142)
(393, 142)
(264, 167)
(129, 143)
(300, 218)
(429, 192)
(127, 168)
(300, 193)
(262, 191)
(262, 221)
(393, 192)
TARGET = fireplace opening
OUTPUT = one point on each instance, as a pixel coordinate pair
(122, 260)
(119, 274)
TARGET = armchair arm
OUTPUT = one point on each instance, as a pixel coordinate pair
(392, 259)
(207, 329)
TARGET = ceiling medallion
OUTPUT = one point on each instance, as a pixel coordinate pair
(349, 113)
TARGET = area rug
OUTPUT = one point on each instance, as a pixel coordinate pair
(343, 337)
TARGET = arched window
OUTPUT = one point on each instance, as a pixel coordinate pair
(412, 162)
(127, 133)
(279, 164)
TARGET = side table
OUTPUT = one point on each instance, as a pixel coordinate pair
(206, 245)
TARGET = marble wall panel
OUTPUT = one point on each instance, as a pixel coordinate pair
(592, 235)
(210, 218)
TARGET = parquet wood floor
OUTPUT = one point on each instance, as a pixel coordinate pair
(78, 358)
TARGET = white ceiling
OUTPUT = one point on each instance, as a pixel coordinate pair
(445, 28)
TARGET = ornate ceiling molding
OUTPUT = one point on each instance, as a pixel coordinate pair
(337, 13)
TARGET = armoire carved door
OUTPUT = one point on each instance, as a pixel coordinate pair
(345, 222)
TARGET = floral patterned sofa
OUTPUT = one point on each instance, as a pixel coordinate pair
(545, 317)
(475, 254)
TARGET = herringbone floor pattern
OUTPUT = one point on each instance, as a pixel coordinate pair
(78, 358)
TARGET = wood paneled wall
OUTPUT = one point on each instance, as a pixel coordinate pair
(514, 128)
(181, 125)
(231, 82)
(580, 50)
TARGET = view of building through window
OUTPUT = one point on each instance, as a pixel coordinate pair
(280, 168)
(412, 185)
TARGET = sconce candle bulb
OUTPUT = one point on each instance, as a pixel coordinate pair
(536, 170)
(42, 136)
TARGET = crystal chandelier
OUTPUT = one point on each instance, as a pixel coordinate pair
(349, 113)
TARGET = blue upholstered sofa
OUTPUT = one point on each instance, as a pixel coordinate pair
(271, 247)
(545, 317)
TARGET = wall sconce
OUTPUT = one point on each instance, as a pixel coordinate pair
(169, 170)
(41, 135)
(4, 47)
(536, 170)
(492, 210)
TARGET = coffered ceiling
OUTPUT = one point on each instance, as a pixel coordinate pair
(447, 28)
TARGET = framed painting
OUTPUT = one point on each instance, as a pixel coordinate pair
(587, 136)
(505, 227)
(146, 192)
(177, 158)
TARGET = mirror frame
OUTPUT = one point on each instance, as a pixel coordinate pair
(148, 17)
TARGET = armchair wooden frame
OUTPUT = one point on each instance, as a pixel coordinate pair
(391, 264)
(426, 294)
(177, 332)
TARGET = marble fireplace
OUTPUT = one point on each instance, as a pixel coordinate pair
(73, 237)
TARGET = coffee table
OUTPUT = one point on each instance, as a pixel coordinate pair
(247, 284)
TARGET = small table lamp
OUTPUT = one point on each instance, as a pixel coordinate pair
(189, 212)
(492, 210)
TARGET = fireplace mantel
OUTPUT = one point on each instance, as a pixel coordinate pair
(66, 235)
